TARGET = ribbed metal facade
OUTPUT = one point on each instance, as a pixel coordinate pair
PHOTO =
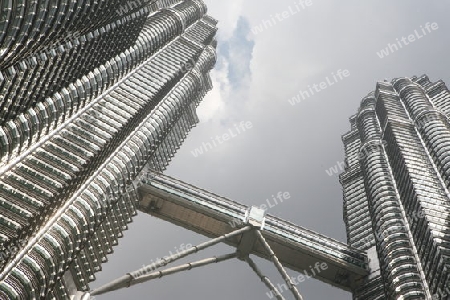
(396, 188)
(92, 94)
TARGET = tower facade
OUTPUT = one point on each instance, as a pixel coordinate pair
(396, 189)
(92, 94)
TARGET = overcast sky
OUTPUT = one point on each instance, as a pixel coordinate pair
(289, 147)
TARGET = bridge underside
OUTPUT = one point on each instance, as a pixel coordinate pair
(211, 215)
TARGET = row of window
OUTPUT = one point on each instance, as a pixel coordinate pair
(162, 129)
(428, 191)
(389, 108)
(202, 32)
(131, 159)
(373, 289)
(423, 80)
(27, 129)
(420, 190)
(430, 200)
(70, 155)
(55, 68)
(398, 266)
(367, 124)
(190, 10)
(166, 3)
(413, 96)
(27, 28)
(441, 100)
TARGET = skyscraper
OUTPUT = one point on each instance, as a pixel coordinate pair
(396, 188)
(92, 94)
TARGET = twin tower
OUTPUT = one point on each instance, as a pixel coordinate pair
(95, 94)
(396, 189)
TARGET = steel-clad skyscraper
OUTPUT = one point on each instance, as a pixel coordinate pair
(96, 97)
(396, 188)
(92, 94)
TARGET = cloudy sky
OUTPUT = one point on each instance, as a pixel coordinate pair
(261, 70)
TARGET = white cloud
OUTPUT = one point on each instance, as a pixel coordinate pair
(227, 12)
(213, 104)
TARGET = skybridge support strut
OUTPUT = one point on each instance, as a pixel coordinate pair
(250, 234)
(264, 279)
(130, 280)
(284, 243)
(209, 214)
(279, 266)
(142, 275)
(191, 250)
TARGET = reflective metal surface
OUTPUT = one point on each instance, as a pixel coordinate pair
(91, 94)
(396, 196)
(211, 215)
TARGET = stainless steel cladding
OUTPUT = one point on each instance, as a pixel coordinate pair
(92, 95)
(396, 181)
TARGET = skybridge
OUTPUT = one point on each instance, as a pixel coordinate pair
(250, 231)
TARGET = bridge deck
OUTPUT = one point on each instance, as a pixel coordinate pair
(211, 215)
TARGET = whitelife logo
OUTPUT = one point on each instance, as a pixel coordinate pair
(405, 41)
(159, 262)
(318, 267)
(280, 17)
(316, 88)
(220, 139)
(341, 165)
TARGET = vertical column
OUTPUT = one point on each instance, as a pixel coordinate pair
(394, 243)
(426, 142)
